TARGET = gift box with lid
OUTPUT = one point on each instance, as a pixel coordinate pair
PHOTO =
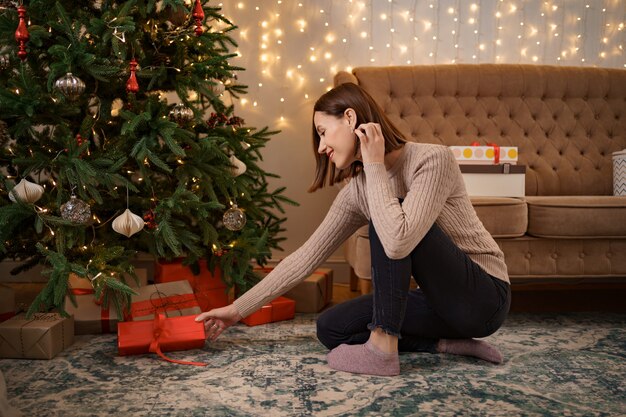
(90, 315)
(42, 336)
(7, 302)
(312, 294)
(170, 298)
(161, 334)
(210, 290)
(489, 154)
(281, 308)
(503, 180)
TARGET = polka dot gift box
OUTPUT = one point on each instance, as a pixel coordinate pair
(491, 154)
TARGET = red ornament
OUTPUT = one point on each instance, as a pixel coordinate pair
(150, 219)
(21, 34)
(198, 16)
(132, 86)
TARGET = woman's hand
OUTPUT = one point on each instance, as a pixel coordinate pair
(372, 142)
(218, 320)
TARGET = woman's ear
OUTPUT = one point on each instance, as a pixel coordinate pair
(350, 116)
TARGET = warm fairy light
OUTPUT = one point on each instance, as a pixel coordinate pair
(274, 48)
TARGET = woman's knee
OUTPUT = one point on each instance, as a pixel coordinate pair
(325, 330)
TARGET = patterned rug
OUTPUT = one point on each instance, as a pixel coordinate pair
(566, 365)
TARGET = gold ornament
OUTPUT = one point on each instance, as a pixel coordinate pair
(181, 114)
(128, 223)
(234, 218)
(116, 106)
(217, 86)
(26, 192)
(70, 86)
(76, 210)
(238, 167)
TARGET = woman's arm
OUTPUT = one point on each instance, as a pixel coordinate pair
(341, 221)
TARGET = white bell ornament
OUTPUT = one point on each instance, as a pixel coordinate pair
(238, 167)
(26, 191)
(128, 223)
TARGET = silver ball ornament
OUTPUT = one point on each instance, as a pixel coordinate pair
(70, 86)
(76, 211)
(181, 114)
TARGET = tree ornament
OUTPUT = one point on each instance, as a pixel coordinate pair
(234, 218)
(26, 192)
(238, 167)
(132, 86)
(198, 16)
(150, 218)
(217, 86)
(176, 14)
(116, 106)
(181, 114)
(21, 34)
(93, 106)
(5, 62)
(128, 223)
(76, 210)
(70, 86)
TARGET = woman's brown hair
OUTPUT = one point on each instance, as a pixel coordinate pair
(335, 102)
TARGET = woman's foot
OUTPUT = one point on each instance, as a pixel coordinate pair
(364, 359)
(470, 347)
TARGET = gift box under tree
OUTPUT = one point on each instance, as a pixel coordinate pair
(312, 294)
(160, 335)
(7, 302)
(210, 290)
(90, 315)
(42, 336)
(281, 308)
(170, 298)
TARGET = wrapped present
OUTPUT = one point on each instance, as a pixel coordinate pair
(314, 293)
(281, 308)
(7, 302)
(161, 335)
(504, 180)
(210, 290)
(90, 316)
(171, 298)
(490, 154)
(43, 336)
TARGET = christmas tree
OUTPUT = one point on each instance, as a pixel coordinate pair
(115, 138)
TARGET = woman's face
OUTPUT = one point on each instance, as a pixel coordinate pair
(337, 139)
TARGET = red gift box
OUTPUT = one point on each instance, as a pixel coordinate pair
(209, 288)
(281, 308)
(161, 335)
(170, 298)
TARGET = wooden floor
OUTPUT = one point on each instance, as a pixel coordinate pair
(545, 297)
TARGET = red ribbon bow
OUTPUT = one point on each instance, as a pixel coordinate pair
(496, 151)
(159, 331)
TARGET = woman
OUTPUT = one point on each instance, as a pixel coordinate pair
(421, 224)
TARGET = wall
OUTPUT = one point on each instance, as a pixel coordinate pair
(291, 50)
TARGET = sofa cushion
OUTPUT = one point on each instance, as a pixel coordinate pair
(577, 216)
(502, 216)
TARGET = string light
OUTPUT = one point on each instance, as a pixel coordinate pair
(339, 34)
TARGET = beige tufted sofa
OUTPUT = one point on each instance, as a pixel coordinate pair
(566, 122)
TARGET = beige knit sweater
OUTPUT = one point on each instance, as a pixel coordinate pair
(429, 180)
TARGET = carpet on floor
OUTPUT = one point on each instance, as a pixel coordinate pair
(559, 364)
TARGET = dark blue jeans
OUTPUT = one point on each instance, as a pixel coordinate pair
(456, 298)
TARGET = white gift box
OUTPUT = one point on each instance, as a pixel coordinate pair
(485, 154)
(504, 180)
